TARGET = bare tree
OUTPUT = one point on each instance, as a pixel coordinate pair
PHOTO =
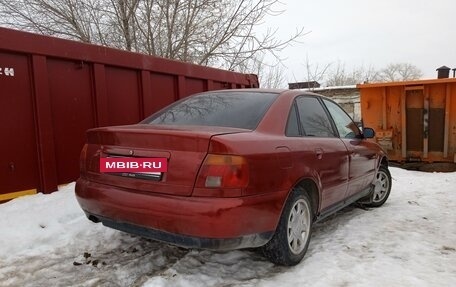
(209, 32)
(270, 75)
(339, 76)
(400, 72)
(315, 72)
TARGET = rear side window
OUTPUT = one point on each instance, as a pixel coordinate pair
(292, 123)
(314, 119)
(224, 109)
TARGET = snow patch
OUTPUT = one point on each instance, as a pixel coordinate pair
(46, 240)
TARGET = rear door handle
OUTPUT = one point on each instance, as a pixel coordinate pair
(319, 153)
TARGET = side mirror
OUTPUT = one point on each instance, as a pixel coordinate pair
(368, 133)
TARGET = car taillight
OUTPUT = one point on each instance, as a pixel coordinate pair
(223, 171)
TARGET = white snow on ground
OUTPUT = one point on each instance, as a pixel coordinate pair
(410, 241)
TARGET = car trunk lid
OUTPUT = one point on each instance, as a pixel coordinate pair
(184, 148)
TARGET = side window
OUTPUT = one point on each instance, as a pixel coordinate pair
(292, 124)
(314, 120)
(344, 124)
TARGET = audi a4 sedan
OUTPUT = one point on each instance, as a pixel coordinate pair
(247, 168)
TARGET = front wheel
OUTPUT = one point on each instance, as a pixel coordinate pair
(381, 187)
(292, 236)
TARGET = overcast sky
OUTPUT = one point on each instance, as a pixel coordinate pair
(367, 32)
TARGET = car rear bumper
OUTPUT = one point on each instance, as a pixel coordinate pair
(195, 222)
(253, 240)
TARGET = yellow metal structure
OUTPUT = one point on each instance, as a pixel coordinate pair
(413, 120)
(8, 196)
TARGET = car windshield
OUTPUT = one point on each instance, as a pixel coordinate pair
(237, 109)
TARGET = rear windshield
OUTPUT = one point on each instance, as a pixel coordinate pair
(224, 109)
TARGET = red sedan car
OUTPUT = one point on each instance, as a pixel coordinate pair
(245, 168)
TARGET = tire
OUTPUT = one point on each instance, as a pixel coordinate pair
(382, 187)
(291, 238)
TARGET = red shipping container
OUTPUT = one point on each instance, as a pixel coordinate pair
(53, 90)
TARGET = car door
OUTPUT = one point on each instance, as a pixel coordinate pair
(362, 158)
(320, 150)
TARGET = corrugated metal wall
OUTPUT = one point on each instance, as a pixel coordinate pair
(53, 90)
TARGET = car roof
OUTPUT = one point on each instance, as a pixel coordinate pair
(281, 92)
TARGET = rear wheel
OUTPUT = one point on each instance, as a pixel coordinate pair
(292, 236)
(381, 187)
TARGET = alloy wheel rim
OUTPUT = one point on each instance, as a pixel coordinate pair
(381, 187)
(298, 226)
